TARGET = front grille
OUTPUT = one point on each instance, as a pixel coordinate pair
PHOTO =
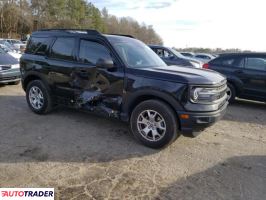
(9, 78)
(221, 91)
(5, 67)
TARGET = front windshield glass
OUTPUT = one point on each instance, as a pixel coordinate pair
(179, 55)
(135, 53)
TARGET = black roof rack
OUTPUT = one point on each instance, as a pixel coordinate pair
(89, 31)
(123, 35)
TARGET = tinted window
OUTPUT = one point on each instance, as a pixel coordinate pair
(38, 45)
(90, 52)
(256, 63)
(230, 62)
(168, 54)
(63, 48)
(163, 53)
(202, 56)
(159, 52)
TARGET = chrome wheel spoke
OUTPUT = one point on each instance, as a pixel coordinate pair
(151, 125)
(146, 130)
(36, 97)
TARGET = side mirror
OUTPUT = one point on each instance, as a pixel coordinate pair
(105, 63)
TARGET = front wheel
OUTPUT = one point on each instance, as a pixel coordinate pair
(154, 124)
(231, 92)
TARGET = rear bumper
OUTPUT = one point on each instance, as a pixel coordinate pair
(198, 121)
(8, 76)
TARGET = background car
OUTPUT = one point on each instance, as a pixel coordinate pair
(172, 57)
(245, 72)
(188, 54)
(11, 46)
(17, 43)
(204, 57)
(9, 69)
(10, 52)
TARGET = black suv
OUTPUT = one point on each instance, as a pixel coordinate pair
(245, 72)
(119, 76)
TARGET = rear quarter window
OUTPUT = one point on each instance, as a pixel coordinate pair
(228, 62)
(38, 45)
(63, 48)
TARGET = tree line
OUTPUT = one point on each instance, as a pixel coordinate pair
(21, 17)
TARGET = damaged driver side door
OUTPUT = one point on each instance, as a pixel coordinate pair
(97, 79)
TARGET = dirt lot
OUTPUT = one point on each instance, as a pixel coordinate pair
(86, 157)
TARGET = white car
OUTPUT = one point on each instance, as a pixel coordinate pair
(10, 52)
(204, 57)
(17, 43)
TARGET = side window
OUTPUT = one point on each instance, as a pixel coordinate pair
(256, 64)
(38, 45)
(229, 62)
(167, 54)
(63, 48)
(90, 52)
(159, 52)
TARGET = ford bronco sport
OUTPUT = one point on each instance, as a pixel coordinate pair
(119, 76)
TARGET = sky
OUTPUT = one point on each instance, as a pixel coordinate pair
(199, 23)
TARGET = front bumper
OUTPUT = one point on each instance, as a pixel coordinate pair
(10, 75)
(198, 121)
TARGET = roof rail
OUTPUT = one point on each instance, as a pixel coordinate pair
(125, 35)
(89, 31)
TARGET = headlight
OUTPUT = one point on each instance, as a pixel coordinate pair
(0, 68)
(208, 94)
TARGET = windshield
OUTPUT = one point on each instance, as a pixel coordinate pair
(179, 55)
(134, 53)
(7, 44)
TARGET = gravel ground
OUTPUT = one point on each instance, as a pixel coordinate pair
(86, 157)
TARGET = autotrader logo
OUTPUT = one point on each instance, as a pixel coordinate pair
(27, 193)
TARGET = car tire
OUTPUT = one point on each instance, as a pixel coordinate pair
(38, 97)
(231, 92)
(154, 124)
(14, 83)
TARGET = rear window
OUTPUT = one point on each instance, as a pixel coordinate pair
(38, 45)
(90, 52)
(228, 61)
(256, 64)
(63, 48)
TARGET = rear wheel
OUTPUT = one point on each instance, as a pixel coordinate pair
(38, 97)
(154, 123)
(231, 92)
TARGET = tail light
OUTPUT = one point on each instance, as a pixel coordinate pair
(205, 66)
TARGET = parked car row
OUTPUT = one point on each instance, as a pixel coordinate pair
(121, 77)
(204, 57)
(172, 57)
(245, 73)
(10, 53)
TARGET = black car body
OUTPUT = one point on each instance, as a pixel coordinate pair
(245, 72)
(9, 68)
(118, 76)
(172, 57)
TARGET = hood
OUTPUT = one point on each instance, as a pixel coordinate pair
(6, 59)
(183, 74)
